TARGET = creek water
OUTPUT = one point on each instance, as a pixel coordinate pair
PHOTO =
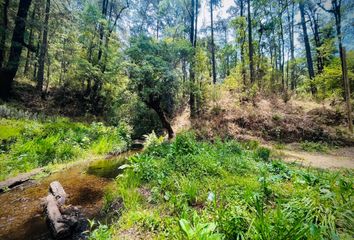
(21, 213)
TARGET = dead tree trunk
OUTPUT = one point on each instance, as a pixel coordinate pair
(53, 202)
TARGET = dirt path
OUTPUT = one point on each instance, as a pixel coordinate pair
(339, 158)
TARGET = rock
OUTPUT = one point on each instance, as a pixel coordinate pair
(137, 144)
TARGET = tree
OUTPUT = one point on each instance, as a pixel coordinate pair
(152, 75)
(336, 11)
(291, 16)
(250, 43)
(314, 21)
(192, 36)
(212, 3)
(307, 46)
(43, 49)
(3, 31)
(7, 73)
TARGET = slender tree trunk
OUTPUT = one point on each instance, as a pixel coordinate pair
(316, 34)
(250, 41)
(3, 31)
(44, 49)
(196, 23)
(346, 86)
(30, 42)
(8, 73)
(307, 46)
(282, 51)
(48, 77)
(101, 30)
(291, 39)
(212, 42)
(243, 70)
(192, 64)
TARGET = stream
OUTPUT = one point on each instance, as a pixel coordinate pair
(21, 213)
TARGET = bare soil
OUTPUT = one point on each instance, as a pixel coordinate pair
(340, 158)
(270, 120)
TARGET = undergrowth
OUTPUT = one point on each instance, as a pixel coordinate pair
(27, 144)
(189, 189)
(315, 146)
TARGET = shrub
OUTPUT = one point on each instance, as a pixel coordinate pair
(314, 146)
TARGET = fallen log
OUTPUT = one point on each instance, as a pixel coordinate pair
(64, 221)
(57, 190)
(18, 180)
(55, 218)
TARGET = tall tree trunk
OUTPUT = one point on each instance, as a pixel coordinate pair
(43, 49)
(307, 46)
(192, 64)
(346, 86)
(316, 35)
(196, 23)
(212, 42)
(30, 42)
(243, 70)
(3, 31)
(101, 30)
(8, 73)
(291, 39)
(250, 41)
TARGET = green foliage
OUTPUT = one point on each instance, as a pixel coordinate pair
(152, 140)
(223, 191)
(314, 146)
(201, 231)
(152, 73)
(99, 231)
(34, 144)
(330, 83)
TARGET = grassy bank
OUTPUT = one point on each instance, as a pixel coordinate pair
(29, 143)
(189, 189)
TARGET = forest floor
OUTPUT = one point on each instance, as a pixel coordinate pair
(303, 131)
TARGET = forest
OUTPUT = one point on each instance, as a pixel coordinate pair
(176, 119)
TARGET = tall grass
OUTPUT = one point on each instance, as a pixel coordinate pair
(235, 187)
(28, 144)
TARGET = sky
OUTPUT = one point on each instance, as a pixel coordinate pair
(204, 16)
(204, 20)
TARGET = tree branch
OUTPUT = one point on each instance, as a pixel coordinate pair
(323, 8)
(118, 16)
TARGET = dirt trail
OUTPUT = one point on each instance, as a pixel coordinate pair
(339, 158)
